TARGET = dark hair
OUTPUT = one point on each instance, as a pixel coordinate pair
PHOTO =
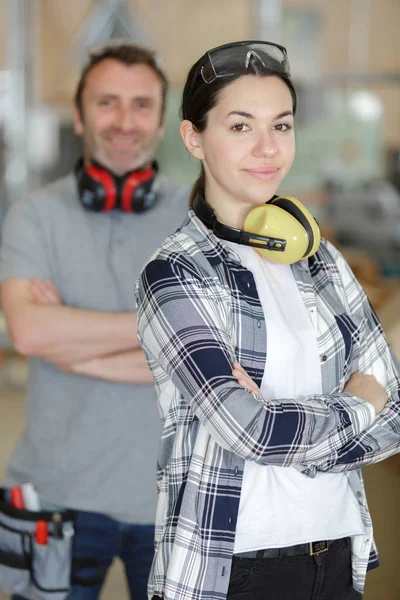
(128, 54)
(199, 98)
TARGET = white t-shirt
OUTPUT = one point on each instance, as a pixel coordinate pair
(279, 506)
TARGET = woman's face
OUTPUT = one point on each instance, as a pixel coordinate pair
(248, 146)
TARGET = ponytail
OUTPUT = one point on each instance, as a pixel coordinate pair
(198, 187)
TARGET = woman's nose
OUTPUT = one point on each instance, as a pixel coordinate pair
(265, 146)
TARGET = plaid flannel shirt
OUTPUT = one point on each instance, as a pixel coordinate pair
(198, 312)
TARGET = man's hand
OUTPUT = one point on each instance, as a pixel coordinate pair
(77, 368)
(44, 292)
(245, 380)
(368, 389)
(125, 367)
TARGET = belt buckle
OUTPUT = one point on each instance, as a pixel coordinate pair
(318, 547)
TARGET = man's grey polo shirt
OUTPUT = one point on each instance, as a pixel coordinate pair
(89, 444)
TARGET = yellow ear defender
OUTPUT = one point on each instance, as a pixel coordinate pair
(285, 230)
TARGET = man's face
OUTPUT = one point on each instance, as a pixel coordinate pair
(121, 121)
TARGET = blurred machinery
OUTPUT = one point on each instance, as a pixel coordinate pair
(367, 217)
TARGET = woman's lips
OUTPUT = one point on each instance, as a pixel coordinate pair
(266, 174)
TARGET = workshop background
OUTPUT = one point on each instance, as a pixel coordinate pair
(345, 59)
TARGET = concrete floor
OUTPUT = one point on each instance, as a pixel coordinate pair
(382, 482)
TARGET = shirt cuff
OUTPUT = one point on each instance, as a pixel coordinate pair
(372, 410)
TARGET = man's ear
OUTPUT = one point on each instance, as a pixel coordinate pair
(192, 139)
(78, 123)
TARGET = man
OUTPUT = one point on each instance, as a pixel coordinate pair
(69, 259)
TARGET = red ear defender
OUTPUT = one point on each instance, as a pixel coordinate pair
(102, 191)
(131, 186)
(107, 189)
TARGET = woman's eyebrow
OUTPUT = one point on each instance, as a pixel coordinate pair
(240, 113)
(246, 115)
(285, 113)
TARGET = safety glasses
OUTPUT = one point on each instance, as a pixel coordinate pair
(233, 59)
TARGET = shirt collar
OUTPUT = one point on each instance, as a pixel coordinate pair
(215, 250)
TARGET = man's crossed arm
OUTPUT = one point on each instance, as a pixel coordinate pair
(88, 342)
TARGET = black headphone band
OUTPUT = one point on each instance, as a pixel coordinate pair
(230, 234)
(78, 168)
(92, 193)
(238, 236)
(204, 212)
(294, 210)
(80, 165)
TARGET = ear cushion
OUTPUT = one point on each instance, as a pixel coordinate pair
(105, 184)
(134, 180)
(288, 236)
(303, 215)
(101, 191)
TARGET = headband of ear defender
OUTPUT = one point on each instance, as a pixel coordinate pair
(283, 229)
(100, 190)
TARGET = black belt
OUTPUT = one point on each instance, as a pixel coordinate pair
(309, 549)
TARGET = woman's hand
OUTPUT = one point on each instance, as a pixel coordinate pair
(368, 389)
(365, 387)
(244, 379)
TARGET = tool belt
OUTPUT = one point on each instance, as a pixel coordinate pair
(35, 551)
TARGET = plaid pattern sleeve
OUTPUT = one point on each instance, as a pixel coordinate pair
(182, 330)
(382, 438)
(198, 311)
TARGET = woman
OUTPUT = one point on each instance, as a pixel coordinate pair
(275, 382)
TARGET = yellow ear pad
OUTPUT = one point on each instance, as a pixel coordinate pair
(303, 215)
(296, 226)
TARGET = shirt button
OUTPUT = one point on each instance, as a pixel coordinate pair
(236, 471)
(259, 324)
(324, 358)
(359, 495)
(230, 520)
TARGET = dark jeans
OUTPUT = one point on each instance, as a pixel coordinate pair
(102, 538)
(326, 576)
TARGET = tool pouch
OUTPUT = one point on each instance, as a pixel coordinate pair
(38, 571)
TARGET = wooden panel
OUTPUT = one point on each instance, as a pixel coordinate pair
(384, 46)
(185, 29)
(60, 23)
(382, 483)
